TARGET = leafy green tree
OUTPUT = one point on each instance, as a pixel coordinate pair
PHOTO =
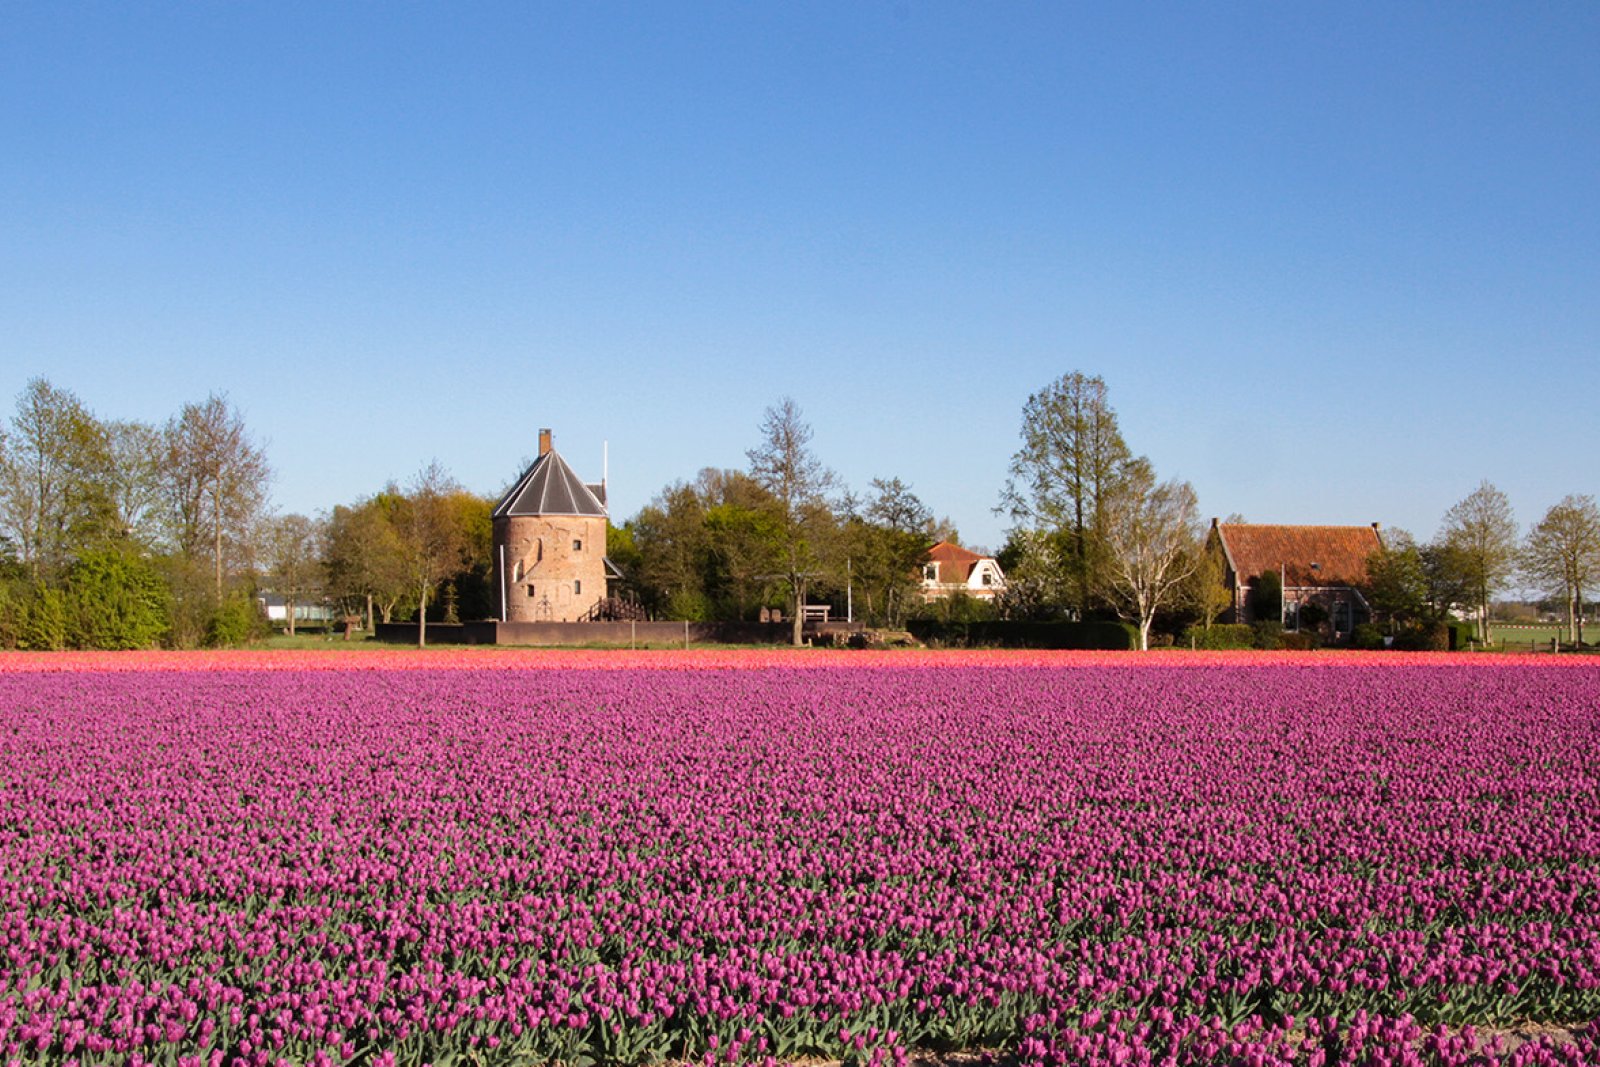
(54, 468)
(1398, 585)
(1480, 536)
(364, 557)
(434, 543)
(1562, 555)
(115, 599)
(1072, 460)
(741, 531)
(885, 546)
(673, 545)
(1206, 593)
(1038, 587)
(1266, 597)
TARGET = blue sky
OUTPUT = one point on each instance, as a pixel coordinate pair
(1337, 263)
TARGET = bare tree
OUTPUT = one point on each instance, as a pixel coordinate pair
(1562, 554)
(1479, 536)
(135, 479)
(214, 479)
(53, 470)
(786, 468)
(435, 546)
(1152, 543)
(1072, 459)
(294, 559)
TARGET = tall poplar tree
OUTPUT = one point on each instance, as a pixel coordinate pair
(1072, 459)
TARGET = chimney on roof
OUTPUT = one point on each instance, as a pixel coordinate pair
(1214, 522)
(544, 443)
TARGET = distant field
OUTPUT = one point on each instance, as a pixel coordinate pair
(1518, 635)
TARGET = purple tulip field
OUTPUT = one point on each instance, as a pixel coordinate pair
(1198, 862)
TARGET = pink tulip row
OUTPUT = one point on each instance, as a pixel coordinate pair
(1345, 861)
(334, 658)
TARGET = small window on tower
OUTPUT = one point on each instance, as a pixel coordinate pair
(530, 590)
(577, 546)
(577, 586)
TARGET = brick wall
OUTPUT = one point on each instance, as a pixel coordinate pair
(555, 566)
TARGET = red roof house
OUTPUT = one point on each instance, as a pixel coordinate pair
(1322, 565)
(951, 569)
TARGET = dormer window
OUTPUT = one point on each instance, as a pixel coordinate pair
(930, 572)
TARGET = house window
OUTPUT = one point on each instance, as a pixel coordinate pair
(577, 586)
(930, 572)
(988, 579)
(577, 546)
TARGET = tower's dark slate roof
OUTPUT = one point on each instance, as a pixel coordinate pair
(549, 487)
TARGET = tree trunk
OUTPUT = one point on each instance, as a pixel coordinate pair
(369, 613)
(216, 554)
(288, 610)
(422, 619)
(1144, 632)
(799, 621)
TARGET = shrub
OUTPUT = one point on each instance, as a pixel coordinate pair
(44, 622)
(1266, 635)
(1299, 640)
(116, 600)
(1367, 636)
(1221, 637)
(1104, 636)
(1461, 635)
(235, 621)
(1424, 637)
(1312, 616)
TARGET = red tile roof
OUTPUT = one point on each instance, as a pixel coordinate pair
(945, 552)
(957, 561)
(1338, 552)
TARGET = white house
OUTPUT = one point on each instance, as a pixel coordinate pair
(951, 569)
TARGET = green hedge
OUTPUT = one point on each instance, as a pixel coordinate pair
(1462, 634)
(1221, 637)
(999, 633)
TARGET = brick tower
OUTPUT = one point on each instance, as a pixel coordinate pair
(550, 542)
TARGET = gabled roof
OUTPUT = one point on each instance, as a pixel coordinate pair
(549, 487)
(956, 562)
(1307, 555)
(945, 552)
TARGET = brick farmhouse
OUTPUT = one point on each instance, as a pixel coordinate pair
(1321, 565)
